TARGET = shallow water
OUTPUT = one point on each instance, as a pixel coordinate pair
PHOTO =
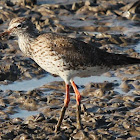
(35, 83)
(24, 114)
(137, 47)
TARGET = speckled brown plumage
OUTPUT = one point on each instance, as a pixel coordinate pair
(64, 56)
(78, 54)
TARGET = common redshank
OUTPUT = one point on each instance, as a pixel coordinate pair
(65, 57)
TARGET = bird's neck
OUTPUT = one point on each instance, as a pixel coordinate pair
(25, 40)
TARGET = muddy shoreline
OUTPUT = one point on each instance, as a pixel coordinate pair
(110, 108)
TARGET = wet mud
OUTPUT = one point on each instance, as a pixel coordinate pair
(110, 109)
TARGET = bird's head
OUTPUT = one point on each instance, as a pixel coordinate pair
(18, 26)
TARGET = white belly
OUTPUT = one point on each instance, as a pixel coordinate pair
(58, 67)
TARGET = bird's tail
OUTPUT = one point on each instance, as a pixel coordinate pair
(120, 60)
(133, 60)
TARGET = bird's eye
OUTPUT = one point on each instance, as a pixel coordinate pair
(19, 25)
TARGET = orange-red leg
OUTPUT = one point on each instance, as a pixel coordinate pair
(66, 102)
(67, 98)
(78, 100)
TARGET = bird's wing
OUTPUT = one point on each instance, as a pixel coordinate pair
(74, 52)
(80, 54)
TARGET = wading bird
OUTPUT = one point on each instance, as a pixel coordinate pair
(65, 57)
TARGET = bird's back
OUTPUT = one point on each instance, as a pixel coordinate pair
(78, 54)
